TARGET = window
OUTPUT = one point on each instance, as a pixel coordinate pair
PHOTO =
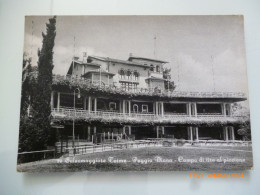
(135, 108)
(144, 108)
(128, 86)
(136, 75)
(151, 67)
(158, 68)
(128, 74)
(112, 106)
(121, 73)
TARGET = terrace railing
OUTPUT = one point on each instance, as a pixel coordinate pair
(69, 114)
(145, 91)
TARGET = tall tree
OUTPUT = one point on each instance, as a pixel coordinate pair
(169, 84)
(41, 101)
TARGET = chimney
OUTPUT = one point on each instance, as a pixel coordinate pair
(130, 55)
(85, 56)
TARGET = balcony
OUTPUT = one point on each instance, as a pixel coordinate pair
(115, 88)
(112, 116)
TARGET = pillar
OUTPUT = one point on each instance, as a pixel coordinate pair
(95, 129)
(162, 109)
(223, 106)
(189, 109)
(157, 131)
(226, 133)
(190, 133)
(123, 106)
(85, 103)
(163, 130)
(229, 110)
(197, 133)
(52, 103)
(195, 109)
(156, 108)
(130, 130)
(89, 104)
(89, 136)
(232, 133)
(95, 105)
(58, 101)
(129, 107)
(123, 129)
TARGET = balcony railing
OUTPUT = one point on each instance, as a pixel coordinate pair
(69, 114)
(115, 87)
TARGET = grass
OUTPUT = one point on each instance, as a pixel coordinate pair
(150, 153)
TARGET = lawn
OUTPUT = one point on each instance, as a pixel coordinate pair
(151, 159)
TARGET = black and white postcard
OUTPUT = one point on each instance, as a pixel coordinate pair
(134, 93)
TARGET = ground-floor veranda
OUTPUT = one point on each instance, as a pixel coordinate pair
(109, 133)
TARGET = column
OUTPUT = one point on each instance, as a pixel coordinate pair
(123, 106)
(156, 108)
(191, 133)
(229, 110)
(120, 106)
(157, 131)
(162, 108)
(223, 106)
(192, 109)
(85, 103)
(95, 129)
(52, 93)
(195, 109)
(226, 133)
(95, 105)
(197, 133)
(163, 130)
(123, 129)
(232, 133)
(58, 101)
(129, 107)
(108, 80)
(188, 107)
(130, 129)
(89, 137)
(89, 104)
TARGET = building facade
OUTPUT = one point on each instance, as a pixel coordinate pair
(103, 99)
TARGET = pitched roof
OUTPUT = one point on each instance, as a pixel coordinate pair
(155, 78)
(107, 59)
(82, 63)
(148, 59)
(103, 72)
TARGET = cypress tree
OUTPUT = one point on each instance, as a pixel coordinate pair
(41, 101)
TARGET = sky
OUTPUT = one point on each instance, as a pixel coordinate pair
(205, 53)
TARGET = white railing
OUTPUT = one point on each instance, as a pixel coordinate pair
(151, 91)
(68, 113)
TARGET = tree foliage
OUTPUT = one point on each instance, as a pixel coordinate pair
(168, 84)
(245, 131)
(35, 129)
(41, 101)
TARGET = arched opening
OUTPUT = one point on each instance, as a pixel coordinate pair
(121, 73)
(135, 108)
(112, 106)
(136, 75)
(158, 68)
(128, 74)
(151, 68)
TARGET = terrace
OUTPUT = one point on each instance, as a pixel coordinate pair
(87, 84)
(64, 113)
